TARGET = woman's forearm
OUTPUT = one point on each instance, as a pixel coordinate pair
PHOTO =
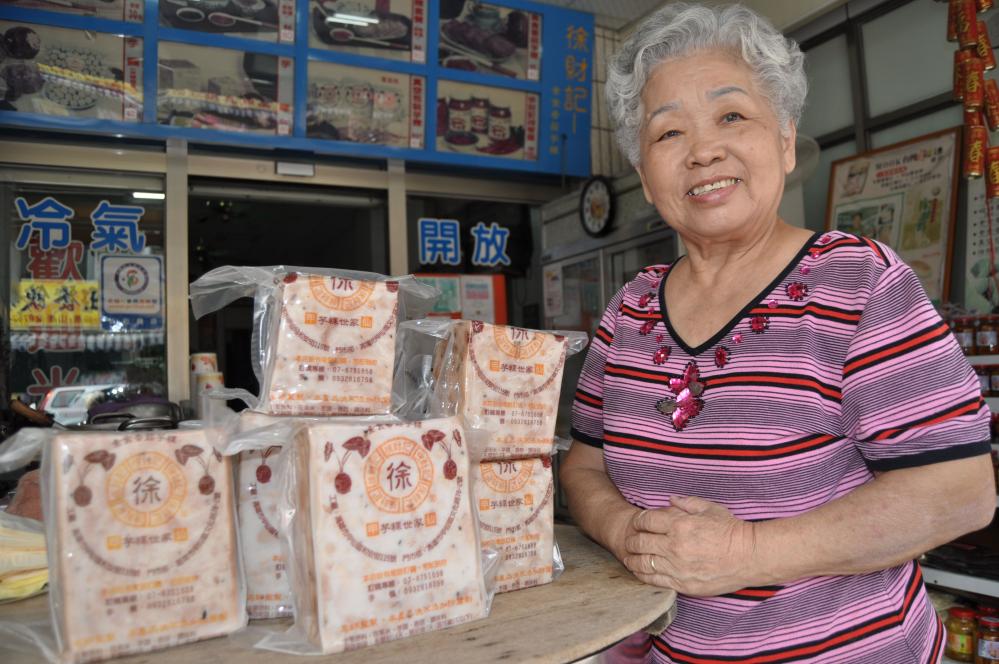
(892, 519)
(597, 507)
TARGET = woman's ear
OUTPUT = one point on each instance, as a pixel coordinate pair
(788, 137)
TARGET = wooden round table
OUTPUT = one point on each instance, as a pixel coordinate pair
(594, 604)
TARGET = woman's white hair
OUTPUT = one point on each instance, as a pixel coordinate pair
(680, 29)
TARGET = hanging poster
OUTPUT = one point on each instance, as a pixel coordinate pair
(486, 121)
(70, 73)
(131, 292)
(218, 88)
(905, 196)
(266, 20)
(486, 38)
(981, 279)
(394, 29)
(365, 105)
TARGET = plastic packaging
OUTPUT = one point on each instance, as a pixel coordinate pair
(504, 380)
(324, 341)
(141, 542)
(268, 594)
(516, 517)
(381, 532)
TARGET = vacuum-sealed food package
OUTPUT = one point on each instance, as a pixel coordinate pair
(334, 348)
(268, 594)
(324, 340)
(142, 543)
(516, 517)
(506, 381)
(382, 533)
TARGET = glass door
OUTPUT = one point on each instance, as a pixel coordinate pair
(83, 288)
(231, 222)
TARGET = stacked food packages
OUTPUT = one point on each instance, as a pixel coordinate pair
(506, 382)
(364, 517)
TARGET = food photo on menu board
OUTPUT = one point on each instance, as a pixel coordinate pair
(364, 106)
(218, 88)
(270, 20)
(394, 29)
(486, 121)
(480, 37)
(70, 73)
(116, 10)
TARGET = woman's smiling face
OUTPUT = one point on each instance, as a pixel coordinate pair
(713, 157)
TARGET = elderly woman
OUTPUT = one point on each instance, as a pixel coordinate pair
(778, 423)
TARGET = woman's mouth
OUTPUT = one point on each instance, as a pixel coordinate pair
(702, 189)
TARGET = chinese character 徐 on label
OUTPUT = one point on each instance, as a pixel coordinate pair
(116, 228)
(49, 218)
(146, 490)
(577, 38)
(439, 241)
(490, 245)
(398, 476)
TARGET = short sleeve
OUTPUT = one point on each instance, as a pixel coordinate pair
(910, 398)
(588, 404)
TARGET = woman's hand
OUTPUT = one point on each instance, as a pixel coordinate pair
(695, 547)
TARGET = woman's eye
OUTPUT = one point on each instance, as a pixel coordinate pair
(732, 117)
(671, 133)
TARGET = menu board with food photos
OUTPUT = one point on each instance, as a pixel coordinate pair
(115, 10)
(216, 88)
(350, 78)
(266, 20)
(70, 73)
(490, 39)
(394, 29)
(365, 105)
(485, 121)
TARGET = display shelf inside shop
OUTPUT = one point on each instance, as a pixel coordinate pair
(963, 582)
(982, 359)
(988, 538)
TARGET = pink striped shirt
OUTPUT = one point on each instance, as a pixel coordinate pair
(840, 368)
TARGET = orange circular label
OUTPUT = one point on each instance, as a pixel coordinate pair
(146, 490)
(398, 475)
(518, 343)
(340, 294)
(506, 476)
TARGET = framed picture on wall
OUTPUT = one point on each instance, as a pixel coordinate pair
(904, 195)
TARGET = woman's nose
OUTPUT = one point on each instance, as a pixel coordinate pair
(705, 148)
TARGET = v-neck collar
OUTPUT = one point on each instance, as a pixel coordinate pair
(718, 336)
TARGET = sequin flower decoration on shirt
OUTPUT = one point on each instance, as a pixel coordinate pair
(687, 403)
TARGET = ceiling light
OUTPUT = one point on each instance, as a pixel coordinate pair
(149, 195)
(356, 17)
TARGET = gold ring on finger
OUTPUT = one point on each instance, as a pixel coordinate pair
(652, 563)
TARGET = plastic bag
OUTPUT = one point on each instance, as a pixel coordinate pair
(141, 542)
(268, 594)
(504, 380)
(324, 341)
(380, 530)
(515, 503)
